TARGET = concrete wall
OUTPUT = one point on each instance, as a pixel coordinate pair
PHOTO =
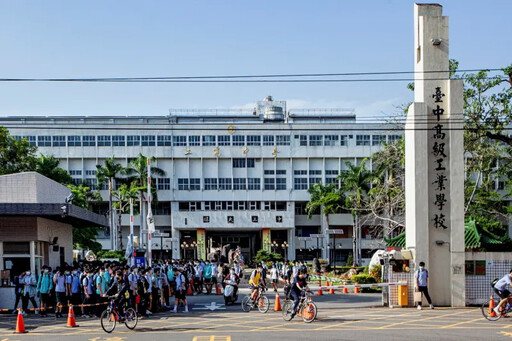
(31, 187)
(47, 230)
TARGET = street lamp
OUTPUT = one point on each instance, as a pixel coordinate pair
(285, 246)
(194, 246)
(274, 245)
(184, 246)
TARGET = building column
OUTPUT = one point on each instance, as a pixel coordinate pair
(291, 244)
(33, 256)
(325, 240)
(176, 245)
(1, 256)
(201, 244)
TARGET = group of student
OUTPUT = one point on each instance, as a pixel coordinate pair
(87, 285)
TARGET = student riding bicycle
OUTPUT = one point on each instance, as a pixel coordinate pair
(501, 289)
(120, 290)
(299, 286)
(255, 281)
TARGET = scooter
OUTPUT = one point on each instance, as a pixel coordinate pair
(229, 292)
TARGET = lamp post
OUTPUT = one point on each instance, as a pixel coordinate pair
(194, 246)
(285, 246)
(274, 245)
(184, 246)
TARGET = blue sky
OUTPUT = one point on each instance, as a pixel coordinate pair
(195, 38)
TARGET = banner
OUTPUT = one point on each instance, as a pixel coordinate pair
(201, 244)
(267, 240)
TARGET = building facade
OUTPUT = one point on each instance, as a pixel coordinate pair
(232, 176)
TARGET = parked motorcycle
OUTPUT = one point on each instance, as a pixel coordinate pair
(229, 292)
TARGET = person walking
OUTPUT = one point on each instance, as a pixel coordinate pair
(44, 286)
(421, 284)
(29, 290)
(181, 289)
(18, 291)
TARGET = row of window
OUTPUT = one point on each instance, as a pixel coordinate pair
(204, 140)
(222, 184)
(232, 206)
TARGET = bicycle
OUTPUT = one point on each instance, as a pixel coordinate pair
(490, 315)
(111, 315)
(307, 309)
(261, 302)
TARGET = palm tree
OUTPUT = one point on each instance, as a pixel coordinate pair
(123, 196)
(109, 173)
(48, 166)
(137, 171)
(356, 182)
(328, 199)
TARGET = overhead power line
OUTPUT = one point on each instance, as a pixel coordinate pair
(259, 78)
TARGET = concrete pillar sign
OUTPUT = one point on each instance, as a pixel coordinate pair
(434, 174)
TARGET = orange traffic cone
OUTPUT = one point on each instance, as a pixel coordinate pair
(189, 290)
(219, 292)
(491, 311)
(356, 289)
(345, 290)
(277, 304)
(331, 291)
(20, 324)
(71, 317)
(320, 292)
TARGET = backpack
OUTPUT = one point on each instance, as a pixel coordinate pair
(494, 281)
(187, 281)
(142, 285)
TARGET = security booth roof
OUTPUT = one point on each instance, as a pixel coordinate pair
(65, 213)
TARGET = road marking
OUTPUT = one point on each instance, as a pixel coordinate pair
(212, 338)
(421, 319)
(212, 306)
(509, 334)
(459, 323)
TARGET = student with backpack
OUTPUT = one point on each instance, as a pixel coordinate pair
(89, 292)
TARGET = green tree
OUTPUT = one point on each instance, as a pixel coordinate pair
(15, 155)
(48, 165)
(137, 171)
(386, 201)
(356, 182)
(84, 237)
(325, 199)
(108, 173)
(123, 196)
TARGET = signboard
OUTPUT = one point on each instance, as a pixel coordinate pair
(335, 231)
(305, 238)
(316, 235)
(267, 243)
(254, 218)
(139, 261)
(160, 234)
(201, 244)
(173, 240)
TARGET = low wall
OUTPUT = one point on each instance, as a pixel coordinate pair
(481, 269)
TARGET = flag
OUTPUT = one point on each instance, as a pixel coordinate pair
(129, 249)
(150, 220)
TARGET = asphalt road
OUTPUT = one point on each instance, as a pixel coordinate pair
(340, 317)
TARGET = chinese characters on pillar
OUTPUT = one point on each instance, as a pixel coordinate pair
(440, 153)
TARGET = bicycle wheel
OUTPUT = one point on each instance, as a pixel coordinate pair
(488, 313)
(108, 320)
(247, 304)
(309, 312)
(287, 310)
(130, 318)
(263, 304)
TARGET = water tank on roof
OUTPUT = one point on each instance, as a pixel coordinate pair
(273, 113)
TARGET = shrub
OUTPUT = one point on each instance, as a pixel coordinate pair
(365, 279)
(111, 254)
(263, 255)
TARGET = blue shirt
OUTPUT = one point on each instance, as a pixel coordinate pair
(75, 284)
(503, 283)
(422, 277)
